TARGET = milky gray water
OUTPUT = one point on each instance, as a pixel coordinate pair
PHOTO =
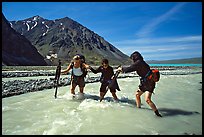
(178, 98)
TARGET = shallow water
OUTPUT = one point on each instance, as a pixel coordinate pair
(178, 98)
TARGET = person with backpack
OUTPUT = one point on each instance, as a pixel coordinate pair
(147, 81)
(79, 71)
(107, 75)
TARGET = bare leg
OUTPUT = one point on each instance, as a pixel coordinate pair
(150, 103)
(73, 86)
(102, 94)
(148, 96)
(81, 93)
(114, 96)
(81, 89)
(138, 100)
(113, 92)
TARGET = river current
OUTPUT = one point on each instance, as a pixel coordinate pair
(177, 96)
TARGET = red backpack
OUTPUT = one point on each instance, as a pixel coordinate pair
(155, 75)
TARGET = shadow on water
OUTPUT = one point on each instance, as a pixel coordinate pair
(173, 112)
(128, 101)
(163, 111)
(110, 99)
(94, 97)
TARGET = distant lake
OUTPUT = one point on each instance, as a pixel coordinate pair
(196, 65)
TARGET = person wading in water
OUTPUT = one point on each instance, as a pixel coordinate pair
(146, 85)
(78, 73)
(106, 77)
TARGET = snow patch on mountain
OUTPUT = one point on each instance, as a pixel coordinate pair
(36, 23)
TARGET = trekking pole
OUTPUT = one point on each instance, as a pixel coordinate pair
(57, 77)
(115, 76)
(112, 83)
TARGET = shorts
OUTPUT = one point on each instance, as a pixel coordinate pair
(147, 85)
(104, 87)
(78, 80)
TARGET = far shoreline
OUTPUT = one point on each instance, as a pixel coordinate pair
(50, 68)
(18, 86)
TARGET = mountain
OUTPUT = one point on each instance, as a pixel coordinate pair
(63, 38)
(16, 49)
(197, 60)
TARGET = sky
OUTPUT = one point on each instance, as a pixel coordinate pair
(158, 30)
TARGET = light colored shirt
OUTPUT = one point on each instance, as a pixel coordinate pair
(77, 71)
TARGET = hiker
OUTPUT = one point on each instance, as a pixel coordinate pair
(106, 77)
(77, 75)
(146, 85)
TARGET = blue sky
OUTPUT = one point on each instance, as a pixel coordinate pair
(158, 30)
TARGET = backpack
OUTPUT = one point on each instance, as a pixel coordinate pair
(84, 70)
(155, 75)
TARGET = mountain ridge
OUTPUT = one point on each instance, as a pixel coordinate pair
(64, 38)
(16, 49)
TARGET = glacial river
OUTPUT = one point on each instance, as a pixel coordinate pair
(178, 98)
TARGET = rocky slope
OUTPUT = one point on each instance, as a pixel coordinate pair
(63, 38)
(17, 50)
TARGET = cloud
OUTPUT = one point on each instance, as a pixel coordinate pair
(162, 48)
(171, 55)
(193, 38)
(154, 23)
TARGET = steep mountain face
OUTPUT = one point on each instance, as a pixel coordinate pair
(16, 49)
(65, 37)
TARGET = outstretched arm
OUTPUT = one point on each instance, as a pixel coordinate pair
(95, 71)
(84, 65)
(131, 68)
(66, 70)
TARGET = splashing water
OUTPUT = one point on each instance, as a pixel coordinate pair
(178, 98)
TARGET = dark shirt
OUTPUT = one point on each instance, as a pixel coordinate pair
(107, 73)
(140, 66)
